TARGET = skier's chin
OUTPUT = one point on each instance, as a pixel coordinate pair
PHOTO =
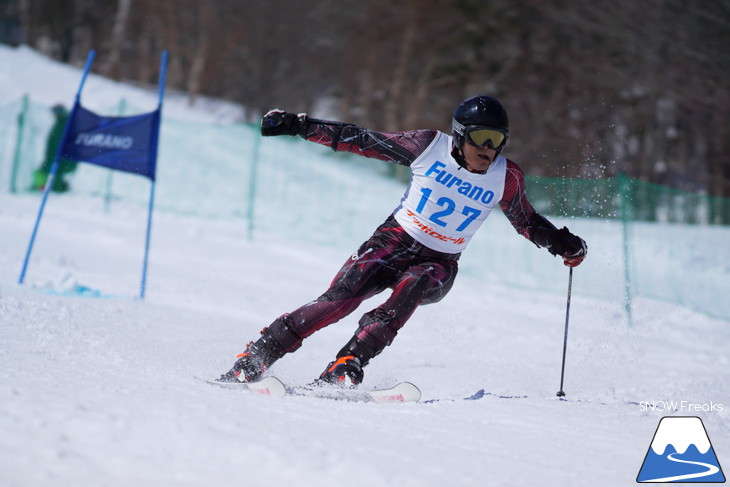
(480, 163)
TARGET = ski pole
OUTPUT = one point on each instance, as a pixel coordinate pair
(561, 393)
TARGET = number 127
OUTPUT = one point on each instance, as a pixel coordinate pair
(449, 206)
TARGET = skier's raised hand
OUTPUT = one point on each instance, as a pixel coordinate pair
(279, 122)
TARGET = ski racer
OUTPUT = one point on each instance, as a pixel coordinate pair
(456, 182)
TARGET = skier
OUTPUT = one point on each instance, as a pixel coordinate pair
(65, 166)
(456, 182)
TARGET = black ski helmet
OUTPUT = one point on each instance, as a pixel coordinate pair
(479, 110)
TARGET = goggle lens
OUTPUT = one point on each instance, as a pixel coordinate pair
(481, 137)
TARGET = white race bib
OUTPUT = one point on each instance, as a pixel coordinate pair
(445, 204)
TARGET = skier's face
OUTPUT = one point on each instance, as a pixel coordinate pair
(478, 160)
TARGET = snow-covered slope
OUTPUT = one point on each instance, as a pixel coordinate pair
(102, 391)
(25, 71)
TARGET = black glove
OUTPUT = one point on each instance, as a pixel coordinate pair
(571, 248)
(279, 122)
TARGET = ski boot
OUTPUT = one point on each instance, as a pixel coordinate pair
(345, 372)
(255, 360)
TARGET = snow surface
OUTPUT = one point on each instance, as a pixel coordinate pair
(103, 391)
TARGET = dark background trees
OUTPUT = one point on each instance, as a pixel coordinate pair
(593, 88)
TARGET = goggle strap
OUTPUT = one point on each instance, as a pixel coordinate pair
(457, 126)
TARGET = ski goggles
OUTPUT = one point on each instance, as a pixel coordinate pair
(481, 137)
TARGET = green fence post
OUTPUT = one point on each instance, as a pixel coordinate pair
(624, 188)
(19, 144)
(252, 183)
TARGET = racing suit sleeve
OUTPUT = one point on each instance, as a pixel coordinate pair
(397, 147)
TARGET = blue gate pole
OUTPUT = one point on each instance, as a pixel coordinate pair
(49, 184)
(155, 140)
(143, 285)
(54, 167)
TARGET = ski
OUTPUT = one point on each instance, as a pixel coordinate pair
(400, 393)
(272, 386)
(268, 386)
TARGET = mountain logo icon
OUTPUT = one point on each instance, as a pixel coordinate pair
(681, 452)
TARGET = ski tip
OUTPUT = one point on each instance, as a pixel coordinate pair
(411, 386)
(403, 392)
(268, 386)
(415, 392)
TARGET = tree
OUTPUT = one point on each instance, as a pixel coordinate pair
(592, 88)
